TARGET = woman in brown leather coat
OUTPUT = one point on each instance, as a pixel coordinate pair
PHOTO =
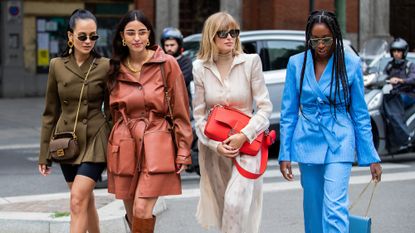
(144, 160)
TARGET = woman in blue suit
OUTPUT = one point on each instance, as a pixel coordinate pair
(324, 121)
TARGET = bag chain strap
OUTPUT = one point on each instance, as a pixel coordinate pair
(80, 99)
(361, 194)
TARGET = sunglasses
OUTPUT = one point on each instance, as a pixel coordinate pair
(314, 42)
(224, 34)
(84, 37)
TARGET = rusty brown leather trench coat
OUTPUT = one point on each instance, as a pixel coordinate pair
(141, 100)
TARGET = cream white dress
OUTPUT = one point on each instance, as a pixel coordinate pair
(229, 201)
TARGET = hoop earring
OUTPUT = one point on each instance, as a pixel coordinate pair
(148, 43)
(70, 44)
(123, 43)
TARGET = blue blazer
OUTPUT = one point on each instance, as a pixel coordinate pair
(319, 135)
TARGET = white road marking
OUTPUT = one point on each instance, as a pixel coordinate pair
(282, 186)
(19, 146)
(273, 170)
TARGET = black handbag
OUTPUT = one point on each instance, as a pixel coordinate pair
(64, 145)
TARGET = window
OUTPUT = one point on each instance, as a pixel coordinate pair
(190, 49)
(275, 53)
(249, 47)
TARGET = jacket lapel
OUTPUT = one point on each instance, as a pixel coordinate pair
(85, 66)
(71, 65)
(311, 77)
(159, 57)
(325, 79)
(210, 65)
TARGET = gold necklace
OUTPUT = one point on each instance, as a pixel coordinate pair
(131, 68)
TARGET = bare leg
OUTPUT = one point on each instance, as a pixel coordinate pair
(93, 219)
(143, 220)
(143, 207)
(128, 204)
(81, 192)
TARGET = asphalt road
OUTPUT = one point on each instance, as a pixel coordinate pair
(392, 210)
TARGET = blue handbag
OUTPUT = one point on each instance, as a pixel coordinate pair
(361, 224)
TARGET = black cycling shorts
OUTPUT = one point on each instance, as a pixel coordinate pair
(91, 170)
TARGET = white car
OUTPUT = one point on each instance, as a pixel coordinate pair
(274, 47)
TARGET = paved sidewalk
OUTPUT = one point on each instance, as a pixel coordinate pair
(50, 213)
(20, 121)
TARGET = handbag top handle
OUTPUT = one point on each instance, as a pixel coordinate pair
(166, 93)
(361, 194)
(80, 99)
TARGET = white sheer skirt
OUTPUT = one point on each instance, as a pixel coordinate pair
(229, 201)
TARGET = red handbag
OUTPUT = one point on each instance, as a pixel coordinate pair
(224, 121)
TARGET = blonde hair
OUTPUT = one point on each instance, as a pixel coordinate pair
(216, 22)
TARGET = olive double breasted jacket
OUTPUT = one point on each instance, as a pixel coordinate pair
(64, 85)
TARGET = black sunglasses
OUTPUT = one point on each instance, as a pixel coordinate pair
(223, 34)
(84, 37)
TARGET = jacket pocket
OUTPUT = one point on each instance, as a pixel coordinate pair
(121, 158)
(159, 152)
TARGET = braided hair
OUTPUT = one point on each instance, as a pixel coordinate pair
(338, 73)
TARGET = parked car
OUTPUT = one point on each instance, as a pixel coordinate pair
(274, 47)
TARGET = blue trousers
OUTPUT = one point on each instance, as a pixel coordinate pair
(326, 200)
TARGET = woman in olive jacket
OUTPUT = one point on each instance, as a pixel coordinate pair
(65, 80)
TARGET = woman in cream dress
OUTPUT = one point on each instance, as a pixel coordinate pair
(224, 75)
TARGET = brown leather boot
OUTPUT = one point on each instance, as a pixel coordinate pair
(141, 225)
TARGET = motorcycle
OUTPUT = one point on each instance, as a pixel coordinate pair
(375, 57)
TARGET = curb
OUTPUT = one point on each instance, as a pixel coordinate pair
(111, 219)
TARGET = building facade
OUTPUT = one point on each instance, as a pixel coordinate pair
(34, 31)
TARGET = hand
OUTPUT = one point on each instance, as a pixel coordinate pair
(395, 80)
(236, 141)
(181, 168)
(286, 171)
(227, 151)
(376, 170)
(44, 169)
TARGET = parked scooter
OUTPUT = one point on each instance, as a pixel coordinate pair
(376, 86)
(376, 89)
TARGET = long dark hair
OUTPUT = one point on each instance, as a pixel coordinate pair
(120, 52)
(338, 73)
(79, 14)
